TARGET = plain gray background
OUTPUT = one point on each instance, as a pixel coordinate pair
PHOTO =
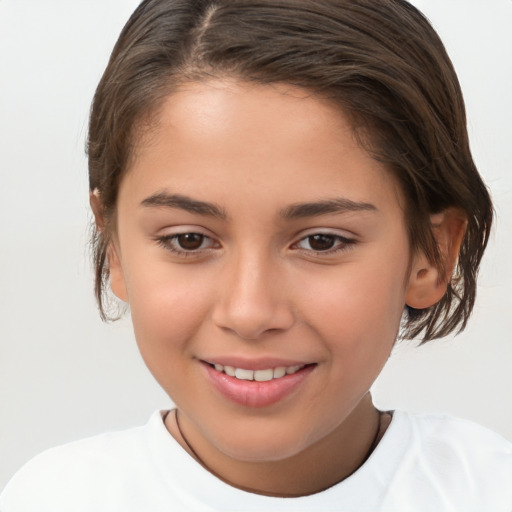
(64, 374)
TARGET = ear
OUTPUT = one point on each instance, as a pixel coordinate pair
(428, 284)
(116, 274)
(97, 209)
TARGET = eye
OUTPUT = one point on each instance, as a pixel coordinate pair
(190, 241)
(324, 243)
(187, 243)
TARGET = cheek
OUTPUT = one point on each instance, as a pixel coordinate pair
(360, 300)
(359, 317)
(167, 309)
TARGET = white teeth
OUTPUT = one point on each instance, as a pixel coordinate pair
(229, 370)
(293, 369)
(242, 374)
(258, 375)
(263, 375)
(279, 372)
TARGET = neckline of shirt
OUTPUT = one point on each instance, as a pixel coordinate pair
(195, 486)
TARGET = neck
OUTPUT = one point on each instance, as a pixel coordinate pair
(321, 465)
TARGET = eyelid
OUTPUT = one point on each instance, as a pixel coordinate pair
(183, 229)
(342, 233)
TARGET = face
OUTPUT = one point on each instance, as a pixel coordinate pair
(256, 238)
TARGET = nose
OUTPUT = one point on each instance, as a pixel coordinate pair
(253, 298)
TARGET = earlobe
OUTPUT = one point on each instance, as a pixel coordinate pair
(425, 288)
(117, 281)
(428, 283)
(116, 275)
(97, 209)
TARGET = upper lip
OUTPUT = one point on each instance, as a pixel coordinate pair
(253, 364)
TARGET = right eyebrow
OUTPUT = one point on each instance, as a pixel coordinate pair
(166, 200)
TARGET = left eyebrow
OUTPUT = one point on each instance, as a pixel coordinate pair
(324, 207)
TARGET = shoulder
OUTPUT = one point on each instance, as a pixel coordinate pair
(461, 461)
(456, 436)
(66, 474)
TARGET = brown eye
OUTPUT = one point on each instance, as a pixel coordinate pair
(188, 244)
(190, 241)
(321, 242)
(325, 243)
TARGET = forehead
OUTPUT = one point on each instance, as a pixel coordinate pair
(277, 138)
(204, 112)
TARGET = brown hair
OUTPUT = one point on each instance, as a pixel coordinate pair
(380, 60)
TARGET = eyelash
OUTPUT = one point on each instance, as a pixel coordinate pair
(169, 242)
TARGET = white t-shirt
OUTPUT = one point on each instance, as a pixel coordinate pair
(424, 463)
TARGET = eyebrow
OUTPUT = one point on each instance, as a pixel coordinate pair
(184, 203)
(324, 207)
(294, 211)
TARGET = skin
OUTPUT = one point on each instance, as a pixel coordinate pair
(255, 287)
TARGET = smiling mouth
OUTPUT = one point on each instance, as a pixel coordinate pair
(258, 375)
(260, 387)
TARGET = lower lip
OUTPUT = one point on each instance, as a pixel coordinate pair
(251, 393)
